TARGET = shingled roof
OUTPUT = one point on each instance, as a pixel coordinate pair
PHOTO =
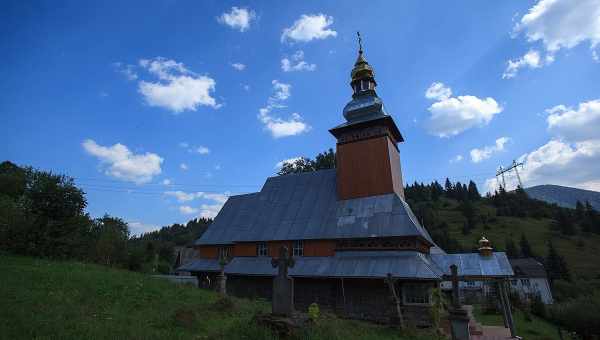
(305, 206)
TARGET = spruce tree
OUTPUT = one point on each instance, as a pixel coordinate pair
(448, 187)
(556, 265)
(511, 248)
(473, 192)
(525, 247)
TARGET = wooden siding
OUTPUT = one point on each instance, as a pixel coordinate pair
(209, 252)
(367, 168)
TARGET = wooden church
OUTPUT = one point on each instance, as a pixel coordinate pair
(358, 249)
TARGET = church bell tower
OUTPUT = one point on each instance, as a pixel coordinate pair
(367, 155)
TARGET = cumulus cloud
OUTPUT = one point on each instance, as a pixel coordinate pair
(167, 182)
(209, 209)
(238, 66)
(187, 210)
(576, 124)
(119, 162)
(478, 155)
(452, 115)
(530, 60)
(438, 91)
(183, 166)
(177, 89)
(558, 24)
(572, 156)
(138, 228)
(280, 164)
(296, 63)
(183, 196)
(309, 27)
(280, 127)
(237, 18)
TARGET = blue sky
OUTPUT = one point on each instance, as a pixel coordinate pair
(160, 109)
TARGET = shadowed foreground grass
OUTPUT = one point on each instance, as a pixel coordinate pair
(533, 329)
(43, 299)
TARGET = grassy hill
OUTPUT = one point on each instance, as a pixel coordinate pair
(67, 300)
(581, 251)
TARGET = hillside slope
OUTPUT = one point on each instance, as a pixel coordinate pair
(69, 300)
(564, 196)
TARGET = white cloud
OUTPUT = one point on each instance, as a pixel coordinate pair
(296, 63)
(281, 91)
(206, 210)
(203, 150)
(456, 159)
(284, 128)
(277, 126)
(572, 157)
(126, 70)
(178, 89)
(187, 210)
(559, 24)
(138, 228)
(453, 115)
(285, 161)
(183, 196)
(238, 66)
(210, 210)
(563, 163)
(531, 59)
(183, 166)
(478, 155)
(167, 182)
(123, 164)
(309, 27)
(237, 18)
(438, 91)
(576, 124)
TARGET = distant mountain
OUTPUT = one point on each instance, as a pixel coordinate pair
(564, 196)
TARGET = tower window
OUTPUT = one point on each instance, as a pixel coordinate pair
(298, 248)
(262, 249)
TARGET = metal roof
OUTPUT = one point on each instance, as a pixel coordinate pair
(305, 206)
(475, 265)
(369, 264)
(528, 267)
(200, 265)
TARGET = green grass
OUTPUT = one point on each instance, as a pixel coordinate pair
(535, 329)
(583, 261)
(43, 299)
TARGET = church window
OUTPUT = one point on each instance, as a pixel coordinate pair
(416, 294)
(262, 249)
(298, 248)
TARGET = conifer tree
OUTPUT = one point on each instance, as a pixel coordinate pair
(473, 192)
(525, 247)
(511, 248)
(556, 265)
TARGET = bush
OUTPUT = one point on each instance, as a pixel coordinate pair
(580, 315)
(538, 307)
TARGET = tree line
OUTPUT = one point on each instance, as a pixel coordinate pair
(42, 214)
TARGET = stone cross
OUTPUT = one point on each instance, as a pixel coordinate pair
(283, 286)
(459, 318)
(455, 288)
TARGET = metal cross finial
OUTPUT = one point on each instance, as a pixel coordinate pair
(360, 50)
